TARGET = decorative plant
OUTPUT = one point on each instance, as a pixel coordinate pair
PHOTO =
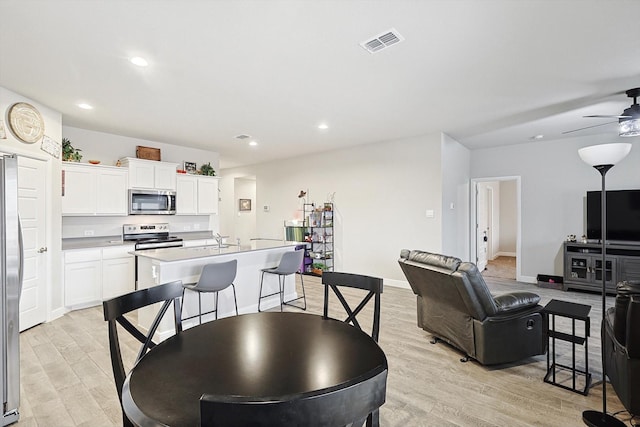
(69, 153)
(207, 169)
(318, 268)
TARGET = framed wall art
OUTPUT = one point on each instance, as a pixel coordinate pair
(190, 167)
(244, 205)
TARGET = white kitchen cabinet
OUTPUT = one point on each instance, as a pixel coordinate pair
(82, 277)
(186, 195)
(150, 174)
(93, 190)
(207, 195)
(118, 271)
(97, 274)
(196, 195)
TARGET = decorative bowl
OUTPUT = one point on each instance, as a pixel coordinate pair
(94, 162)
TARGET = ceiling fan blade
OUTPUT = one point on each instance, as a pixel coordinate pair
(587, 127)
(600, 116)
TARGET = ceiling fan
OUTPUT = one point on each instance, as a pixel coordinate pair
(628, 121)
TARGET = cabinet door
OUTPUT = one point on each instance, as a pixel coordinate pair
(186, 195)
(82, 283)
(79, 196)
(112, 192)
(141, 175)
(579, 268)
(118, 276)
(207, 196)
(165, 176)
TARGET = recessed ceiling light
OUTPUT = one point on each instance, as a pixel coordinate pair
(139, 61)
(253, 143)
(323, 126)
(539, 136)
(85, 106)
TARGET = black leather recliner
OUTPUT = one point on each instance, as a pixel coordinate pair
(455, 305)
(621, 338)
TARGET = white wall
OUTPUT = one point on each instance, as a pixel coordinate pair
(382, 192)
(108, 148)
(245, 221)
(508, 217)
(553, 185)
(456, 164)
(53, 129)
(484, 189)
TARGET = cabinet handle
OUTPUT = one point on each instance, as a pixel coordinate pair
(42, 250)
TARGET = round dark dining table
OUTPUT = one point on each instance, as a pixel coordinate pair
(268, 355)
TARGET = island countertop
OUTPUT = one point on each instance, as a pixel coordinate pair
(189, 253)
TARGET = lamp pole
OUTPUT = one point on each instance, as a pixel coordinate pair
(603, 157)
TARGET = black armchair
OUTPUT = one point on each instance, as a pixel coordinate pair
(621, 343)
(455, 305)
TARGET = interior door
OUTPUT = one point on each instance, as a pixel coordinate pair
(31, 207)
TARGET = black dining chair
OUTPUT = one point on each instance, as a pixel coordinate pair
(114, 313)
(372, 285)
(334, 409)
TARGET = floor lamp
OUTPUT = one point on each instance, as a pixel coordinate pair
(603, 157)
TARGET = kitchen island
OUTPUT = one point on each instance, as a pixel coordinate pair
(159, 266)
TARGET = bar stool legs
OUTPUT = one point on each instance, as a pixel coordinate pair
(281, 283)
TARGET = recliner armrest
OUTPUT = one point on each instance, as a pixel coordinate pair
(514, 301)
(633, 327)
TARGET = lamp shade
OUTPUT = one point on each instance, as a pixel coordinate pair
(604, 154)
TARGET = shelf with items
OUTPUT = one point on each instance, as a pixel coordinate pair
(317, 232)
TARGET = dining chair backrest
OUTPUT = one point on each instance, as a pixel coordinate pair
(217, 276)
(373, 286)
(114, 313)
(340, 408)
(290, 262)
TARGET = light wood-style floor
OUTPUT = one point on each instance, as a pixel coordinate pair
(67, 380)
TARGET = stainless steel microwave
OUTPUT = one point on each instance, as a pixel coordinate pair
(152, 202)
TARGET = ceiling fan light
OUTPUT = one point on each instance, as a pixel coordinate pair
(630, 127)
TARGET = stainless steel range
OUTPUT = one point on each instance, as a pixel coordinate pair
(149, 236)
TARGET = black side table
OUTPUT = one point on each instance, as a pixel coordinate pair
(574, 312)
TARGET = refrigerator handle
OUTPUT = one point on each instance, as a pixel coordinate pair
(21, 255)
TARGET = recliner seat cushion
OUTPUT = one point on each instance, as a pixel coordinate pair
(624, 291)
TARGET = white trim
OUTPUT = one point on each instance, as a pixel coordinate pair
(56, 314)
(527, 279)
(396, 283)
(511, 254)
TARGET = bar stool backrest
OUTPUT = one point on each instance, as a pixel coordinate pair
(217, 276)
(289, 263)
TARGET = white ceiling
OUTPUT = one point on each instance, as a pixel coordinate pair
(485, 72)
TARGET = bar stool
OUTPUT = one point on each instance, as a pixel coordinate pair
(214, 278)
(290, 263)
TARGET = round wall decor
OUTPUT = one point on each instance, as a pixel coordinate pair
(25, 122)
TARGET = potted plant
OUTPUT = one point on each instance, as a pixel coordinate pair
(318, 268)
(70, 154)
(207, 169)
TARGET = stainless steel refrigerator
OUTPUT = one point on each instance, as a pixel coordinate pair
(11, 263)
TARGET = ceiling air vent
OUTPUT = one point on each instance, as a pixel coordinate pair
(242, 137)
(382, 41)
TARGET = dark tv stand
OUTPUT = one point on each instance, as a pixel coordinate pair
(583, 265)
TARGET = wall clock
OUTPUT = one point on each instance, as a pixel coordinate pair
(26, 123)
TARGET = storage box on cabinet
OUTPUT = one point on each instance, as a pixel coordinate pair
(94, 190)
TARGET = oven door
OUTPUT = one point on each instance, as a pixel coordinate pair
(152, 202)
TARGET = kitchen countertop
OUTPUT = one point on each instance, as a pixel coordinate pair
(183, 254)
(106, 241)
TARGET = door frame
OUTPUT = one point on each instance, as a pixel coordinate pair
(473, 219)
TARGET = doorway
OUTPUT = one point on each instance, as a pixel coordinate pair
(495, 221)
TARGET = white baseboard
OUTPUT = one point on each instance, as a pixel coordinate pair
(57, 313)
(396, 283)
(527, 279)
(510, 254)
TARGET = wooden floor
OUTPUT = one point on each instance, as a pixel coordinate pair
(67, 380)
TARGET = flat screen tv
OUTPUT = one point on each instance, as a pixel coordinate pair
(623, 215)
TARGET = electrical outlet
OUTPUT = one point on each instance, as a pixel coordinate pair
(187, 228)
(88, 232)
(196, 226)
